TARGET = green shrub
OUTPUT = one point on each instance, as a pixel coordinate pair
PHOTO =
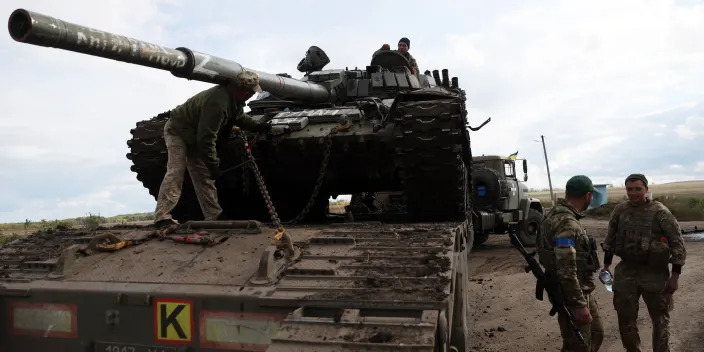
(92, 221)
(684, 209)
(8, 238)
(60, 225)
(63, 225)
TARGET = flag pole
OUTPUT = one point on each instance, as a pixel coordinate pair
(552, 196)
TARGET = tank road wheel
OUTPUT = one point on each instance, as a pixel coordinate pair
(528, 228)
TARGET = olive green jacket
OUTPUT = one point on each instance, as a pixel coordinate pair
(202, 117)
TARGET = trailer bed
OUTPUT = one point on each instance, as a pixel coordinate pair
(349, 286)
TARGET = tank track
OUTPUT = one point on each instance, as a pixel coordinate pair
(434, 157)
(149, 156)
(237, 192)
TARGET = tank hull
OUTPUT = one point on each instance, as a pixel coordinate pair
(421, 153)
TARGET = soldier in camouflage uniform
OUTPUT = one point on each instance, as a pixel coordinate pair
(191, 134)
(646, 236)
(569, 256)
(403, 46)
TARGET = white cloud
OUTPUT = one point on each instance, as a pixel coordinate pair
(106, 202)
(693, 127)
(585, 151)
(669, 178)
(598, 79)
(700, 166)
(97, 193)
(22, 152)
(584, 75)
(465, 49)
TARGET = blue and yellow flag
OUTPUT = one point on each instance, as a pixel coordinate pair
(513, 156)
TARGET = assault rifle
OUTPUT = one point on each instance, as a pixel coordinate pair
(544, 284)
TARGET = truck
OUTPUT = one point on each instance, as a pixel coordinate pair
(339, 284)
(501, 202)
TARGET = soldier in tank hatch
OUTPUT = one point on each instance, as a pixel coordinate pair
(404, 44)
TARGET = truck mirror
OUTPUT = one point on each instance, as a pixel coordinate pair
(525, 166)
(525, 177)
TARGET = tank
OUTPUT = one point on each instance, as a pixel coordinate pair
(392, 283)
(379, 128)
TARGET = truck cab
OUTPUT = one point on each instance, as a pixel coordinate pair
(501, 201)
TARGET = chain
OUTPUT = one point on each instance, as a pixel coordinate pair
(319, 182)
(262, 187)
(245, 176)
(265, 193)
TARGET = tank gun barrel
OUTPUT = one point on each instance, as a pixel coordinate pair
(42, 30)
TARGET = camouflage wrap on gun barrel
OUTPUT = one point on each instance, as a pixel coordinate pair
(42, 30)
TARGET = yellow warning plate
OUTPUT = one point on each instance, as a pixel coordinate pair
(173, 320)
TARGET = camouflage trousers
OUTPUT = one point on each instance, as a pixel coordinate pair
(178, 162)
(593, 332)
(629, 285)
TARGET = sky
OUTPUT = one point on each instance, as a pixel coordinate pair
(615, 87)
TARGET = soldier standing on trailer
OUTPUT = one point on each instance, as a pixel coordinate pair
(190, 135)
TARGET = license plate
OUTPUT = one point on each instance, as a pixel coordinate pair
(123, 347)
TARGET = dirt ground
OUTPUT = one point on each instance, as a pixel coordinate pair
(504, 314)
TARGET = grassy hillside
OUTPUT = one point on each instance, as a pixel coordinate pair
(684, 199)
(90, 221)
(675, 189)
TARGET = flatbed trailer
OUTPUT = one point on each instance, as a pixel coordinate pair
(367, 286)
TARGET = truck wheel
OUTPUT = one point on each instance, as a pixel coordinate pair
(528, 228)
(480, 238)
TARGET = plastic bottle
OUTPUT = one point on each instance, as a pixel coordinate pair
(606, 279)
